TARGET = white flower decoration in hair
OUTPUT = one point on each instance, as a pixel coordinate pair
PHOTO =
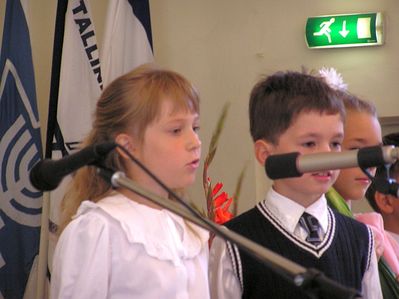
(333, 78)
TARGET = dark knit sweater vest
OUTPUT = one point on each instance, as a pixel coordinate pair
(343, 256)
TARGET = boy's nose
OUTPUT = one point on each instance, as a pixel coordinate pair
(325, 147)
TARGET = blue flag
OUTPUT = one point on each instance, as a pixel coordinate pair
(20, 149)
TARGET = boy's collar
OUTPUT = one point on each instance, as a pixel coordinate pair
(289, 211)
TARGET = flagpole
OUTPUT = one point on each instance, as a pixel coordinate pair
(43, 249)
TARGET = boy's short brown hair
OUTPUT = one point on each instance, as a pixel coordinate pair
(277, 100)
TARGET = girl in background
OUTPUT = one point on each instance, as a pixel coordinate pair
(115, 243)
(361, 129)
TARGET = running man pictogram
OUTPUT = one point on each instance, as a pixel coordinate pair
(325, 29)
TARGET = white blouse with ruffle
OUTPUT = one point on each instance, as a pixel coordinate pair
(117, 248)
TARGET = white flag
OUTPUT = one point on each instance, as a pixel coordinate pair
(79, 87)
(127, 39)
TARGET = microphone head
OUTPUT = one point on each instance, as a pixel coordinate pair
(48, 174)
(282, 166)
(41, 180)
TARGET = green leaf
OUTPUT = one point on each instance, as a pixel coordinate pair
(389, 285)
(336, 201)
(237, 191)
(219, 128)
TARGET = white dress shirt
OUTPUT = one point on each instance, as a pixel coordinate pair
(117, 248)
(224, 283)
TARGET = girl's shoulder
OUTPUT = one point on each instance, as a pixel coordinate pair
(94, 220)
(161, 233)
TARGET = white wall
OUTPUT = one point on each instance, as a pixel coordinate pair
(224, 47)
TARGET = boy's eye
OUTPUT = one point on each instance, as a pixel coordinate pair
(196, 129)
(309, 144)
(336, 145)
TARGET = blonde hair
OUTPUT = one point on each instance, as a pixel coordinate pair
(354, 103)
(129, 104)
(351, 101)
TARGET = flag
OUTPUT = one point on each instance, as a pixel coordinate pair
(20, 149)
(77, 77)
(127, 38)
(75, 87)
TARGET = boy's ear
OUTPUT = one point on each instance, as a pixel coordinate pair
(383, 202)
(262, 150)
(127, 142)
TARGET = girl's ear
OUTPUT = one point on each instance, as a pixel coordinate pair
(262, 150)
(126, 141)
(383, 202)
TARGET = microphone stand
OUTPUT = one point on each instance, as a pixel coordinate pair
(384, 185)
(312, 281)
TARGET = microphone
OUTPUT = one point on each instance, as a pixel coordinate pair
(294, 164)
(47, 174)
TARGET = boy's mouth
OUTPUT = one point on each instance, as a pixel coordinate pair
(322, 174)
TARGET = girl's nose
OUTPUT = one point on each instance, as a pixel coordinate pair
(195, 141)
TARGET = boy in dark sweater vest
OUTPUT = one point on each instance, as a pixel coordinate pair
(295, 112)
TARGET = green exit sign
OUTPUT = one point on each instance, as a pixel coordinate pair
(337, 31)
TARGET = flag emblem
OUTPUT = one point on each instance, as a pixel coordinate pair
(20, 149)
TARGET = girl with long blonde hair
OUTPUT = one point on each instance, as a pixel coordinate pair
(115, 243)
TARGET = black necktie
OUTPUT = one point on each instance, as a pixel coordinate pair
(312, 227)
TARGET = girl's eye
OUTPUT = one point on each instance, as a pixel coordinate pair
(353, 148)
(196, 129)
(176, 130)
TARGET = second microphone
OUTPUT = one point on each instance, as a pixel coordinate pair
(294, 164)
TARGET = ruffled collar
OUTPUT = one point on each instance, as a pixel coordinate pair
(163, 234)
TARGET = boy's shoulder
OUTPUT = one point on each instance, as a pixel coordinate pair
(348, 220)
(357, 232)
(245, 221)
(243, 216)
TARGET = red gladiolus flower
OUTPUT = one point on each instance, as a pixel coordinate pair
(222, 213)
(216, 188)
(221, 204)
